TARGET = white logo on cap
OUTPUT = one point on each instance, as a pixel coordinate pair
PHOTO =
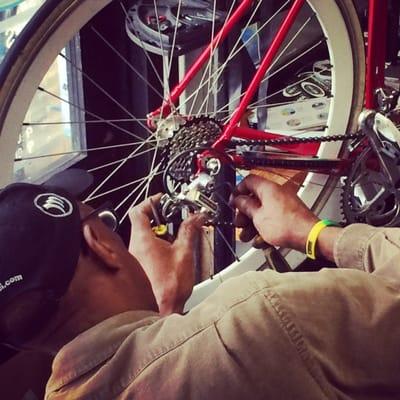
(10, 282)
(54, 205)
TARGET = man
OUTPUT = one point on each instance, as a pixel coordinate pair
(326, 335)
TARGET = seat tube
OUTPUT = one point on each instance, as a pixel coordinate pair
(262, 70)
(376, 56)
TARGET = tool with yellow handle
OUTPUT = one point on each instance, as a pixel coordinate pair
(160, 229)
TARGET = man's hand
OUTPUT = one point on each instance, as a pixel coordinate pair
(169, 266)
(278, 215)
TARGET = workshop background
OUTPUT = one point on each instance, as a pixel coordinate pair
(24, 376)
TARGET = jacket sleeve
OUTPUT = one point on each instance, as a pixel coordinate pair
(370, 249)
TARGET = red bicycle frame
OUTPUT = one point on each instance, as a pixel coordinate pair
(377, 40)
(378, 11)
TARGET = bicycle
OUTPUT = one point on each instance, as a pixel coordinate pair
(200, 144)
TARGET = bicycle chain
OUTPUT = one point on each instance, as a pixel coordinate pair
(293, 140)
(203, 131)
(311, 165)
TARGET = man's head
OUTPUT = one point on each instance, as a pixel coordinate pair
(40, 242)
(52, 245)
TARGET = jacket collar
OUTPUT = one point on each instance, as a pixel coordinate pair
(94, 346)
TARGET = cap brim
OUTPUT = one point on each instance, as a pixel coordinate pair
(74, 180)
(6, 353)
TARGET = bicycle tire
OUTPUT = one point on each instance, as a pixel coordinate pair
(38, 45)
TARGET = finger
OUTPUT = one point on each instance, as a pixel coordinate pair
(254, 184)
(141, 215)
(145, 206)
(248, 233)
(189, 230)
(246, 187)
(242, 220)
(248, 184)
(246, 205)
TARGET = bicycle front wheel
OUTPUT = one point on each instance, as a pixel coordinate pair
(56, 111)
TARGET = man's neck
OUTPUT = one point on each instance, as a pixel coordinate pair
(80, 314)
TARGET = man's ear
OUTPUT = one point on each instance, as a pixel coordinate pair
(101, 247)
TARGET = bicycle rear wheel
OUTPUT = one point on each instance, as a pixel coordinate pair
(324, 50)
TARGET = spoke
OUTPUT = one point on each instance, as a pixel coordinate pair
(164, 57)
(277, 59)
(227, 244)
(121, 164)
(270, 95)
(148, 179)
(211, 82)
(109, 164)
(82, 122)
(232, 53)
(210, 62)
(94, 83)
(127, 63)
(121, 187)
(220, 69)
(294, 59)
(144, 48)
(195, 94)
(134, 201)
(256, 32)
(163, 54)
(288, 64)
(151, 169)
(285, 48)
(103, 148)
(290, 42)
(284, 103)
(174, 39)
(93, 115)
(141, 187)
(227, 105)
(280, 90)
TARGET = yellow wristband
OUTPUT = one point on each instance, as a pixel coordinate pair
(313, 236)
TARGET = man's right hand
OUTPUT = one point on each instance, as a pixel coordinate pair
(278, 215)
(170, 267)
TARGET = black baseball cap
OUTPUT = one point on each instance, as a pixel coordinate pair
(40, 239)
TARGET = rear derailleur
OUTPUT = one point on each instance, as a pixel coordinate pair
(196, 197)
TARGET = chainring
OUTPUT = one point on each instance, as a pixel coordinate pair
(368, 194)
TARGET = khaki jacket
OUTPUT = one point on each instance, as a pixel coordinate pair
(333, 334)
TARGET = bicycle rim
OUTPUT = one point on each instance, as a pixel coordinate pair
(58, 21)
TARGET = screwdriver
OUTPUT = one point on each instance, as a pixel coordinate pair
(161, 230)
